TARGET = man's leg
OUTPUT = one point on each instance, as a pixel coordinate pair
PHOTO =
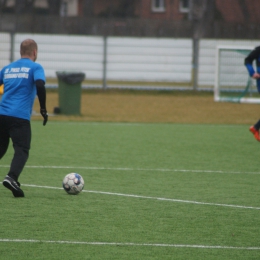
(21, 137)
(20, 133)
(258, 84)
(4, 136)
(254, 129)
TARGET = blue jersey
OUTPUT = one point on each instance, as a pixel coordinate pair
(19, 87)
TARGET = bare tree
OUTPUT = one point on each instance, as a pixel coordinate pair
(2, 5)
(54, 6)
(244, 9)
(126, 8)
(24, 6)
(122, 9)
(202, 14)
(88, 8)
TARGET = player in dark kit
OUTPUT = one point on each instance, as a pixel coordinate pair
(254, 55)
(22, 80)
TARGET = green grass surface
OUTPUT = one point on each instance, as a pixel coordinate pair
(152, 191)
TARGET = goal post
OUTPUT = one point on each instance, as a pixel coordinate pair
(232, 81)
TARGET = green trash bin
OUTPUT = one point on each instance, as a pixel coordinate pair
(69, 88)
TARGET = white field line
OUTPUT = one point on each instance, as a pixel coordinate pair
(138, 124)
(129, 169)
(125, 244)
(151, 198)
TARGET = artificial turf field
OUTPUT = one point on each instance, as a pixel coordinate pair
(152, 191)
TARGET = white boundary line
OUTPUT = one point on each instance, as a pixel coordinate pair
(125, 244)
(139, 124)
(129, 169)
(152, 198)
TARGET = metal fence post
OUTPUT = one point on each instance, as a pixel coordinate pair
(12, 46)
(195, 63)
(105, 63)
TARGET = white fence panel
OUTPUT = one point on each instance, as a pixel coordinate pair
(128, 58)
(149, 59)
(67, 53)
(5, 49)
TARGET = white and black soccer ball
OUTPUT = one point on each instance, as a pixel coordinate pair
(73, 183)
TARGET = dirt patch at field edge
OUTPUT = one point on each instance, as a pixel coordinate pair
(155, 107)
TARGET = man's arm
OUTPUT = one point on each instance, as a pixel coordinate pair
(253, 55)
(1, 77)
(41, 93)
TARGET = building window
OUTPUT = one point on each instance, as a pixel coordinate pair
(184, 6)
(158, 5)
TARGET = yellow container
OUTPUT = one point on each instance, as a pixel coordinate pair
(1, 89)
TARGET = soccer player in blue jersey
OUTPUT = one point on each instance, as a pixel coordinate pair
(254, 56)
(22, 80)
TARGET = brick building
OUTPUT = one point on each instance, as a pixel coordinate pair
(233, 11)
(148, 9)
(153, 18)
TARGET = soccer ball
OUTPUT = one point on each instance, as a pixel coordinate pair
(73, 183)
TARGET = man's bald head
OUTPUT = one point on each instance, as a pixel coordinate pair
(28, 49)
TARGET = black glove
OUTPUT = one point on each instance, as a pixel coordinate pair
(44, 115)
